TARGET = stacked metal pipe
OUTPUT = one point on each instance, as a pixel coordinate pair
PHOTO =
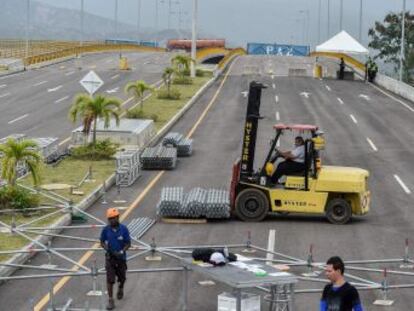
(160, 157)
(217, 204)
(184, 145)
(139, 226)
(193, 206)
(171, 202)
(197, 203)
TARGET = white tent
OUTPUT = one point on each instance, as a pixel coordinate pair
(342, 43)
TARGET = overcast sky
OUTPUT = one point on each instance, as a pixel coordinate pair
(242, 21)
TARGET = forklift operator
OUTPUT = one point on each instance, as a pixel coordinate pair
(294, 160)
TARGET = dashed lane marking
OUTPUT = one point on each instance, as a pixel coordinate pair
(61, 99)
(353, 119)
(340, 101)
(402, 184)
(40, 83)
(18, 119)
(372, 144)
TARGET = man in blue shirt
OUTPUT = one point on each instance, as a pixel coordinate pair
(115, 239)
(339, 295)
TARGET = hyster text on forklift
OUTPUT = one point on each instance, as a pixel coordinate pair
(334, 191)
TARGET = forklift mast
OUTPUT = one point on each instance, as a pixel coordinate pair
(250, 130)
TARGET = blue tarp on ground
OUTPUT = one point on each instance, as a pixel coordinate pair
(277, 49)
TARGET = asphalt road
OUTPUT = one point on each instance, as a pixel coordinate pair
(363, 127)
(37, 102)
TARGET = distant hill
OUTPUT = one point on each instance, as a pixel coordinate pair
(49, 22)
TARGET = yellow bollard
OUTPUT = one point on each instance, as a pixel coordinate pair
(317, 71)
(123, 63)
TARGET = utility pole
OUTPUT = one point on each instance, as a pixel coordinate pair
(116, 19)
(194, 39)
(360, 21)
(402, 41)
(82, 21)
(341, 15)
(27, 28)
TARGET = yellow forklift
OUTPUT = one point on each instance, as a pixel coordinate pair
(334, 191)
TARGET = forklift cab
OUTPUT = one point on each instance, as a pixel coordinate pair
(314, 142)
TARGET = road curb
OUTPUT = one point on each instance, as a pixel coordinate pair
(97, 193)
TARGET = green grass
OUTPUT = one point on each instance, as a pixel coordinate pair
(68, 171)
(166, 109)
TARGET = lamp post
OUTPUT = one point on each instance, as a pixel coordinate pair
(27, 28)
(138, 18)
(319, 20)
(341, 15)
(360, 20)
(306, 30)
(116, 19)
(402, 40)
(329, 18)
(194, 38)
(82, 21)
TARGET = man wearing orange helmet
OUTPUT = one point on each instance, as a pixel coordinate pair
(115, 239)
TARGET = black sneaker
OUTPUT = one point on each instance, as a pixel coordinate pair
(120, 293)
(110, 305)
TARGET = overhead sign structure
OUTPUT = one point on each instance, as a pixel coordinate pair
(91, 82)
(277, 49)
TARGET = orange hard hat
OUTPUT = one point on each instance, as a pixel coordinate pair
(112, 212)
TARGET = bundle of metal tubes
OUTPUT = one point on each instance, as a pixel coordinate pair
(197, 203)
(160, 157)
(139, 226)
(184, 145)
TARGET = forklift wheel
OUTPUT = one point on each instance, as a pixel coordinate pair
(251, 205)
(338, 211)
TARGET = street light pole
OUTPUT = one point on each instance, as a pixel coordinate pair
(360, 20)
(341, 15)
(27, 28)
(138, 19)
(329, 18)
(402, 40)
(319, 20)
(82, 21)
(116, 19)
(194, 39)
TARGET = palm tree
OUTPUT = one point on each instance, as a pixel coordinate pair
(91, 108)
(15, 153)
(182, 63)
(138, 88)
(167, 78)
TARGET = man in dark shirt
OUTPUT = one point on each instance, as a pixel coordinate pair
(339, 295)
(115, 239)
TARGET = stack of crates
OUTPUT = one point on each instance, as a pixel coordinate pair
(128, 167)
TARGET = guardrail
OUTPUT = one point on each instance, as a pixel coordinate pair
(41, 51)
(230, 55)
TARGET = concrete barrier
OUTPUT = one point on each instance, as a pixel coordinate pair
(400, 88)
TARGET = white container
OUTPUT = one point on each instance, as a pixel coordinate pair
(227, 302)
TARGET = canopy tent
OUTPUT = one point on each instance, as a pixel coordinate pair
(342, 43)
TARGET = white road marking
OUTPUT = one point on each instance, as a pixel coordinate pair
(340, 101)
(405, 188)
(372, 144)
(305, 94)
(394, 98)
(3, 85)
(277, 116)
(276, 99)
(54, 89)
(328, 88)
(245, 93)
(92, 67)
(115, 76)
(273, 85)
(366, 97)
(61, 99)
(18, 119)
(4, 95)
(146, 63)
(111, 91)
(108, 61)
(39, 83)
(270, 246)
(69, 73)
(273, 76)
(353, 119)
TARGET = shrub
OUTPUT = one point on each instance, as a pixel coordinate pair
(183, 80)
(199, 72)
(173, 95)
(12, 197)
(102, 150)
(138, 113)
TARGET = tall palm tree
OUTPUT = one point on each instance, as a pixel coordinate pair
(182, 63)
(138, 88)
(91, 108)
(15, 153)
(167, 78)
